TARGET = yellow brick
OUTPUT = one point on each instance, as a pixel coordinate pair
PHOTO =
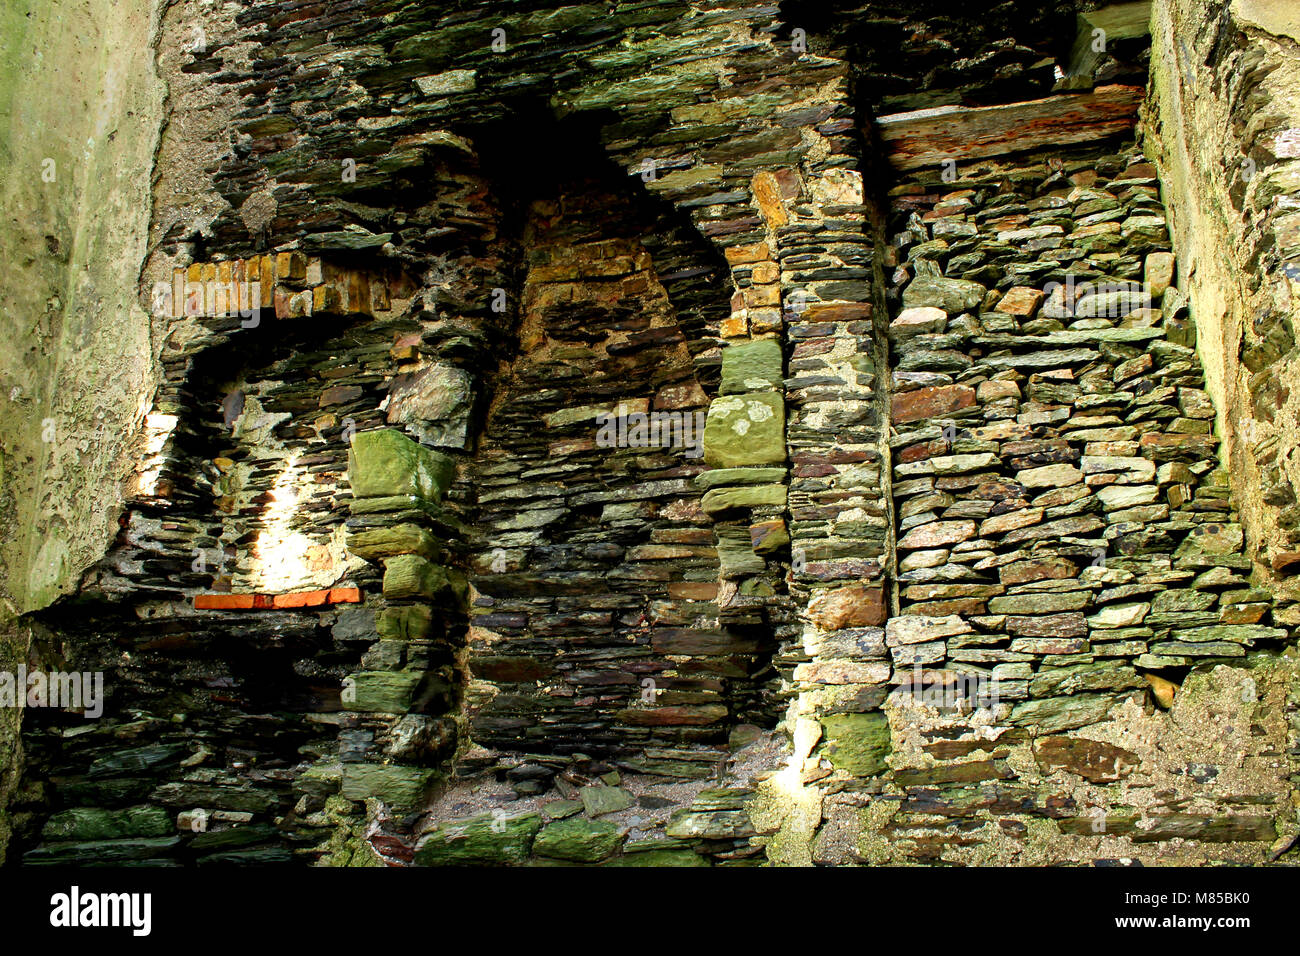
(735, 327)
(756, 252)
(268, 283)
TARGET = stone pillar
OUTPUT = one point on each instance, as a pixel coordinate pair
(399, 700)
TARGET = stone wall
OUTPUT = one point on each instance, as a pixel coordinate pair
(1067, 547)
(76, 149)
(622, 437)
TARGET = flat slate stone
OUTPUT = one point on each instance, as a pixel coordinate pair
(950, 295)
(597, 801)
(721, 477)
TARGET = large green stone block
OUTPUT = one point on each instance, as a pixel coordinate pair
(485, 840)
(745, 430)
(92, 823)
(858, 743)
(411, 622)
(385, 692)
(385, 462)
(578, 840)
(736, 557)
(719, 500)
(409, 577)
(376, 543)
(751, 367)
(396, 785)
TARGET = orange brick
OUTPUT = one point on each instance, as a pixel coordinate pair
(245, 602)
(326, 298)
(299, 599)
(223, 602)
(757, 252)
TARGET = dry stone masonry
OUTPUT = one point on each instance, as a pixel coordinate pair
(691, 434)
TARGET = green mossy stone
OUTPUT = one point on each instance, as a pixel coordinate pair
(409, 577)
(90, 823)
(385, 692)
(384, 463)
(1054, 714)
(720, 500)
(235, 836)
(578, 840)
(560, 809)
(694, 823)
(100, 852)
(396, 785)
(485, 840)
(388, 542)
(736, 555)
(727, 477)
(745, 430)
(597, 801)
(951, 295)
(412, 622)
(858, 743)
(751, 367)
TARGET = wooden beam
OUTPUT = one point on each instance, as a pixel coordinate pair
(961, 133)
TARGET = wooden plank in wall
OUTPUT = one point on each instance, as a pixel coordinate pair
(932, 136)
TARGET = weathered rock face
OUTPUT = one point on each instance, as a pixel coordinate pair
(1229, 165)
(566, 455)
(74, 381)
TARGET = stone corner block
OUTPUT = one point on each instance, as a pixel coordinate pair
(745, 429)
(385, 463)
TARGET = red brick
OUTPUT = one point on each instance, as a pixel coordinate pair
(223, 602)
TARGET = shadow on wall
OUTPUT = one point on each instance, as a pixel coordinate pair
(596, 627)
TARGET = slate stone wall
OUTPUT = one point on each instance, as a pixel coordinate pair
(1068, 549)
(1223, 131)
(945, 568)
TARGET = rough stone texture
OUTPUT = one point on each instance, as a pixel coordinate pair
(970, 579)
(76, 199)
(1229, 167)
(75, 194)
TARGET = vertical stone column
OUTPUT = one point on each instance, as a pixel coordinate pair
(400, 697)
